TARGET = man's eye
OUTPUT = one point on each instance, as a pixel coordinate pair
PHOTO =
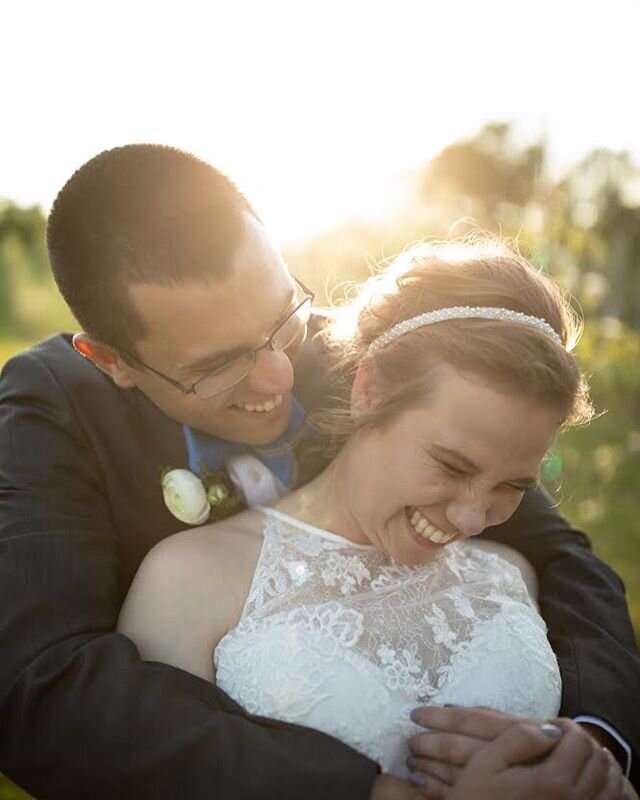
(200, 374)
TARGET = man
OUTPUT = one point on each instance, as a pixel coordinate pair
(194, 324)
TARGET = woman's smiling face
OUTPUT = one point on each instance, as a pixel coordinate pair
(445, 471)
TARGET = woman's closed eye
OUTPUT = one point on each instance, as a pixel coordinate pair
(451, 469)
(458, 472)
(521, 487)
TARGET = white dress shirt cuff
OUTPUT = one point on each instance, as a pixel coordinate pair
(612, 732)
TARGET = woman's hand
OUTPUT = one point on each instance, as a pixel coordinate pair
(453, 735)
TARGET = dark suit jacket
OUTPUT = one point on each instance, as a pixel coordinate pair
(82, 716)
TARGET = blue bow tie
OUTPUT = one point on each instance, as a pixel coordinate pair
(211, 451)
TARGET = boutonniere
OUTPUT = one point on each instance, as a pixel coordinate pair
(195, 500)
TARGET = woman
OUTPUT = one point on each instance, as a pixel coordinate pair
(358, 596)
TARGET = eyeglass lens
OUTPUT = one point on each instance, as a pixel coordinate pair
(282, 338)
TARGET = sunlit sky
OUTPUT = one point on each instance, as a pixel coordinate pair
(317, 110)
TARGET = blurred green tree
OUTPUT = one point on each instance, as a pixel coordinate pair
(488, 169)
(598, 198)
(22, 248)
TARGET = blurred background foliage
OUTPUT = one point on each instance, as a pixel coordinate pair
(583, 228)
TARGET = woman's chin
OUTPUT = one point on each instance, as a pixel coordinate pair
(417, 557)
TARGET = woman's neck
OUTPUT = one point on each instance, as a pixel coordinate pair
(323, 501)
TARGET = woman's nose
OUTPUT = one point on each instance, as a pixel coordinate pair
(271, 374)
(468, 517)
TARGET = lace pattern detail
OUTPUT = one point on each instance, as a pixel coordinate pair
(336, 636)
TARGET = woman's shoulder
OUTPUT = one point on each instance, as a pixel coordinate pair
(207, 559)
(199, 578)
(241, 533)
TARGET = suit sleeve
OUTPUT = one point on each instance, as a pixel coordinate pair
(583, 603)
(81, 714)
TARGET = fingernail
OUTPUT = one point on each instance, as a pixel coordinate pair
(551, 730)
(415, 715)
(411, 763)
(418, 779)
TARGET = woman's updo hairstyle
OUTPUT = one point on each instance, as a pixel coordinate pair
(509, 356)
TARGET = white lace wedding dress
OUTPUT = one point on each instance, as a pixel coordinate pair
(338, 637)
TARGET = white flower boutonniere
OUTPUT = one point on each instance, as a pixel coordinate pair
(185, 496)
(194, 500)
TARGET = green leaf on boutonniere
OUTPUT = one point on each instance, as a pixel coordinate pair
(222, 494)
(217, 493)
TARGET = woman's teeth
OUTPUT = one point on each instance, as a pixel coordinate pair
(427, 531)
(262, 408)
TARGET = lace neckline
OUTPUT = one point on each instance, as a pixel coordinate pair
(324, 534)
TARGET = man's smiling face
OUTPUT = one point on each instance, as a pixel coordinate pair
(193, 328)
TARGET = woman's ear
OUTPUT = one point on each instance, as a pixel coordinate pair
(364, 392)
(105, 358)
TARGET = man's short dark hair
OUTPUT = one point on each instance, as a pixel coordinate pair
(141, 213)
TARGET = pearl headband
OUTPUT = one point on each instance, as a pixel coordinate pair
(461, 312)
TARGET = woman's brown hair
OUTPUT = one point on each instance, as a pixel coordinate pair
(510, 356)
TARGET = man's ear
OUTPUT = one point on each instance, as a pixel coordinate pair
(364, 392)
(105, 358)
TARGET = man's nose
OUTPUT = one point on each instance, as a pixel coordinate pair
(272, 373)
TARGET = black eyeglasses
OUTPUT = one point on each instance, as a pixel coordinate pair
(227, 375)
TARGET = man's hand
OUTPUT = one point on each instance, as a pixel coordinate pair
(457, 742)
(385, 787)
(572, 768)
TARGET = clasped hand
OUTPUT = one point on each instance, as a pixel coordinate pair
(481, 754)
